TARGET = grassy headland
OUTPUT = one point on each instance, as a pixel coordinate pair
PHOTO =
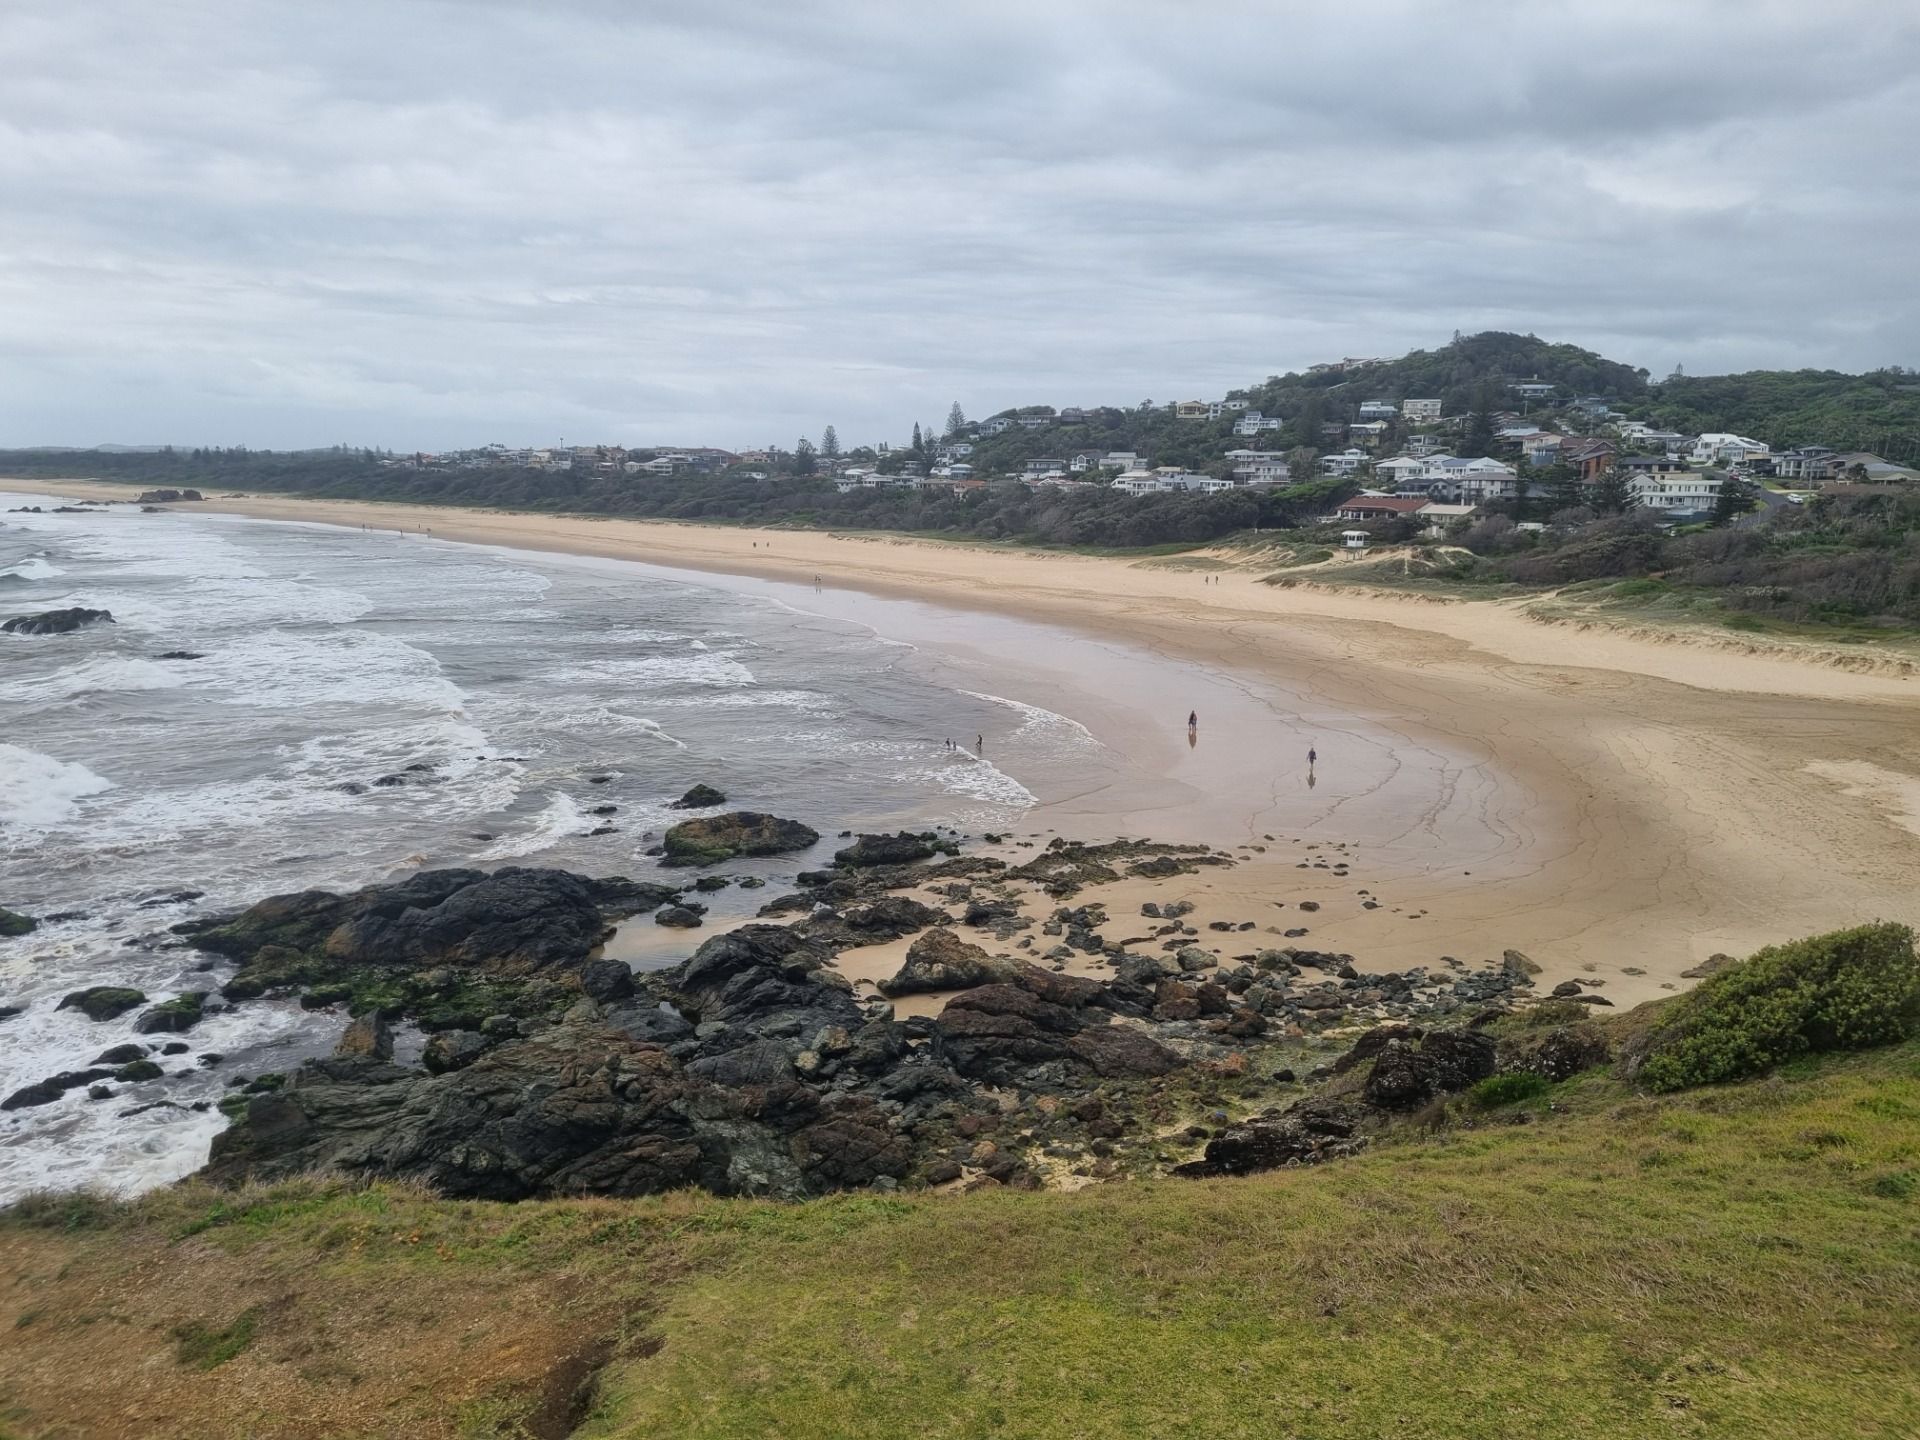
(1732, 1260)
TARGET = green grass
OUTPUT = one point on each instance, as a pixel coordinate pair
(1727, 1262)
(1737, 1260)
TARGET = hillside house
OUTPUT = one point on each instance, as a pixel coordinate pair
(1809, 465)
(1535, 389)
(999, 425)
(1191, 410)
(1254, 423)
(1345, 462)
(1259, 467)
(1420, 412)
(1379, 507)
(1368, 432)
(1720, 448)
(1378, 410)
(1688, 492)
(1590, 458)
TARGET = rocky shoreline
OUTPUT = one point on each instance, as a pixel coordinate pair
(757, 1067)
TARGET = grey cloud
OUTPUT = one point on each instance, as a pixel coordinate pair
(439, 224)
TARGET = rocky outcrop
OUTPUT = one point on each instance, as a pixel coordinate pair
(13, 923)
(172, 1017)
(103, 1002)
(941, 960)
(715, 838)
(870, 922)
(167, 497)
(1306, 1137)
(57, 622)
(898, 849)
(1557, 1054)
(446, 946)
(45, 1092)
(1404, 1078)
(700, 797)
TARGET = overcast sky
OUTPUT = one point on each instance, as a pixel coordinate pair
(732, 222)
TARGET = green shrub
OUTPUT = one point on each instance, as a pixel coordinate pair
(205, 1349)
(1844, 991)
(1635, 589)
(1508, 1089)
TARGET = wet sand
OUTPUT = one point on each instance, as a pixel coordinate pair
(1614, 807)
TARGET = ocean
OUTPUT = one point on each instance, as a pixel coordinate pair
(360, 704)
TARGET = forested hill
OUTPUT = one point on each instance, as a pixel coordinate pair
(1473, 370)
(1878, 411)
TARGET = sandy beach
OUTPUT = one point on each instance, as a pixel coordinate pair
(1616, 807)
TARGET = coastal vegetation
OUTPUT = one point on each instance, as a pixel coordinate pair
(1584, 1261)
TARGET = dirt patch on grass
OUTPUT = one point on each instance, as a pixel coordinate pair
(330, 1330)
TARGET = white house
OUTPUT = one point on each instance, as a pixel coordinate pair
(1420, 412)
(1686, 492)
(1346, 462)
(1123, 461)
(1083, 461)
(996, 426)
(1138, 482)
(1424, 444)
(1721, 448)
(1254, 423)
(1046, 466)
(1441, 517)
(1403, 473)
(1235, 404)
(1532, 389)
(1474, 481)
(1259, 467)
(1378, 410)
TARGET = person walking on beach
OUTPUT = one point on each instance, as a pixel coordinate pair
(1312, 757)
(1193, 720)
(980, 743)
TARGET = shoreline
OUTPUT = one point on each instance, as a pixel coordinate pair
(1659, 802)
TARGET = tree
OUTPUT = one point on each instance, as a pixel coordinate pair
(1303, 463)
(1734, 499)
(1563, 488)
(1611, 495)
(830, 444)
(919, 446)
(803, 463)
(956, 420)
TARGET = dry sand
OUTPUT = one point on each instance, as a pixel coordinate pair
(1628, 807)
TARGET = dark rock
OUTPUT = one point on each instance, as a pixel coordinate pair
(941, 960)
(871, 922)
(453, 1050)
(103, 1002)
(762, 1062)
(56, 622)
(512, 922)
(700, 797)
(138, 1070)
(1565, 989)
(900, 849)
(679, 917)
(175, 1047)
(1560, 1053)
(167, 497)
(1309, 905)
(174, 1016)
(12, 923)
(606, 980)
(121, 1055)
(181, 655)
(1403, 1078)
(1000, 999)
(1122, 1050)
(45, 1092)
(716, 838)
(1271, 1142)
